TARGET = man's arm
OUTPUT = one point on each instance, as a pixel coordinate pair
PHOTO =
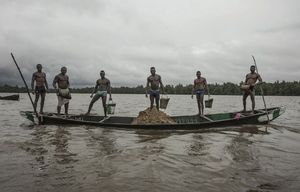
(246, 79)
(206, 87)
(94, 90)
(46, 83)
(55, 80)
(147, 87)
(259, 80)
(68, 82)
(109, 89)
(161, 84)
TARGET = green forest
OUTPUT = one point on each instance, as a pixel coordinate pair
(277, 88)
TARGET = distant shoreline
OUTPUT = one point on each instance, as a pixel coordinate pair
(277, 88)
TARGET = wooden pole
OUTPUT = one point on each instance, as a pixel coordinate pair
(262, 92)
(34, 109)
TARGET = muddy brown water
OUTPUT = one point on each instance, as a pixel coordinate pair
(87, 158)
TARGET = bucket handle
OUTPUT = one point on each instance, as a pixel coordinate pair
(110, 101)
(208, 91)
(164, 95)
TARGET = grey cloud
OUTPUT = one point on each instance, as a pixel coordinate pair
(126, 39)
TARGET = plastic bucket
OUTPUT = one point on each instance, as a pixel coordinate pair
(164, 102)
(208, 103)
(110, 107)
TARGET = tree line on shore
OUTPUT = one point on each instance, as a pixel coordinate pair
(282, 88)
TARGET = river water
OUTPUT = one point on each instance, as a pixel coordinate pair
(87, 158)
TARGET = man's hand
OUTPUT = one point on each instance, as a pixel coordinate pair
(32, 92)
(192, 96)
(110, 98)
(259, 83)
(146, 95)
(91, 96)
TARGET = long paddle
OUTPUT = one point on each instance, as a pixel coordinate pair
(262, 92)
(34, 109)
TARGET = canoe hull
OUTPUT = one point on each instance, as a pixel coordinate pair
(15, 97)
(182, 122)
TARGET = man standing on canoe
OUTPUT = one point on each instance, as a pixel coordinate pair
(62, 90)
(199, 87)
(153, 84)
(250, 82)
(41, 85)
(101, 89)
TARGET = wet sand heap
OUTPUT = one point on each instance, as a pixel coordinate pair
(153, 116)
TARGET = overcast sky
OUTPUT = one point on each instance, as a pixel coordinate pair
(126, 37)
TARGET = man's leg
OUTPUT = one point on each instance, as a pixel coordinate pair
(198, 103)
(37, 95)
(59, 104)
(58, 110)
(104, 105)
(95, 98)
(253, 101)
(201, 104)
(43, 95)
(157, 102)
(66, 108)
(151, 101)
(245, 95)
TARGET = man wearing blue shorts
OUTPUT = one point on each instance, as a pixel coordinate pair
(154, 83)
(41, 86)
(200, 85)
(101, 89)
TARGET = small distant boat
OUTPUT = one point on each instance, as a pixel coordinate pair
(181, 122)
(14, 97)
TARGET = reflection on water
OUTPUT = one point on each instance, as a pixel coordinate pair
(87, 158)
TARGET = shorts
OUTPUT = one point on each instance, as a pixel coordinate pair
(199, 92)
(248, 92)
(62, 101)
(154, 93)
(40, 89)
(101, 93)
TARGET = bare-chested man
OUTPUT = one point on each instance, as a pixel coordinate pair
(251, 79)
(101, 89)
(41, 85)
(63, 92)
(154, 83)
(199, 87)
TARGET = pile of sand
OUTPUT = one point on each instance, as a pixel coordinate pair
(153, 116)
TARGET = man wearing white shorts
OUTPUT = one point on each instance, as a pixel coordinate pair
(63, 92)
(101, 89)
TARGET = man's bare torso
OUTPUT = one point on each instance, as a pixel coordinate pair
(103, 84)
(154, 81)
(62, 81)
(251, 78)
(199, 83)
(40, 78)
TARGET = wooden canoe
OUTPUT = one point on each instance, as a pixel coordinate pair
(182, 122)
(15, 97)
